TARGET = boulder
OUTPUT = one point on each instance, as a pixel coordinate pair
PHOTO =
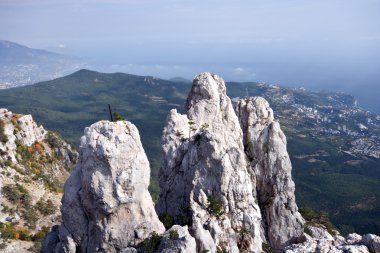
(106, 205)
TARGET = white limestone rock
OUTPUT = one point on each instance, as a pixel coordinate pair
(265, 146)
(323, 245)
(372, 242)
(320, 233)
(177, 240)
(354, 238)
(202, 158)
(29, 132)
(353, 249)
(322, 241)
(24, 130)
(21, 128)
(106, 205)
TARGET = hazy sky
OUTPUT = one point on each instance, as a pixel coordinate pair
(318, 44)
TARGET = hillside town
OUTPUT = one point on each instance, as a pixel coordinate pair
(328, 114)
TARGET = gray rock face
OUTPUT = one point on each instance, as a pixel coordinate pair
(265, 146)
(106, 205)
(204, 166)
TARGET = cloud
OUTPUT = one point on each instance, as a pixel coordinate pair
(239, 70)
(62, 46)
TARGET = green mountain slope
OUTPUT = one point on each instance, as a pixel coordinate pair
(334, 146)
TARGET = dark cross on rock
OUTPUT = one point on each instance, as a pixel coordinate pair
(110, 111)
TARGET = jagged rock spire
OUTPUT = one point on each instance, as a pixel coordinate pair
(265, 146)
(203, 177)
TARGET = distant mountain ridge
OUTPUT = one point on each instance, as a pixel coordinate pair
(333, 145)
(14, 53)
(21, 65)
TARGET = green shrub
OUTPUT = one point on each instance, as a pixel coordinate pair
(215, 206)
(8, 163)
(3, 245)
(40, 235)
(307, 231)
(117, 117)
(167, 220)
(16, 178)
(23, 234)
(314, 219)
(3, 136)
(308, 214)
(243, 240)
(7, 230)
(221, 249)
(16, 194)
(52, 183)
(36, 247)
(30, 216)
(23, 151)
(53, 140)
(265, 147)
(46, 207)
(173, 234)
(150, 244)
(249, 146)
(266, 248)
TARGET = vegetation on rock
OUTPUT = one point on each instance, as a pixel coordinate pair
(174, 234)
(215, 206)
(313, 218)
(3, 136)
(167, 220)
(117, 117)
(151, 244)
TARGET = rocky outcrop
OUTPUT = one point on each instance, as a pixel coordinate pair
(22, 132)
(321, 241)
(106, 205)
(34, 163)
(177, 239)
(20, 128)
(265, 146)
(203, 177)
(225, 179)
